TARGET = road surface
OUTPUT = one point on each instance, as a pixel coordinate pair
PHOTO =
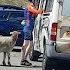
(15, 62)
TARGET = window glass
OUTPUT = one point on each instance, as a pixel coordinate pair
(37, 3)
(49, 5)
(16, 15)
(41, 4)
(1, 8)
(3, 15)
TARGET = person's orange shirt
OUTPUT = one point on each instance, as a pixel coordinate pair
(33, 10)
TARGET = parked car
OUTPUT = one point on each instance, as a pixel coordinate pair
(10, 20)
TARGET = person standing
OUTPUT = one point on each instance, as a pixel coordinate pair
(30, 13)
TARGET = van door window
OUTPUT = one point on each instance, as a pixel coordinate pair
(37, 1)
(49, 5)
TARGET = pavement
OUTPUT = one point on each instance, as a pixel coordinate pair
(15, 63)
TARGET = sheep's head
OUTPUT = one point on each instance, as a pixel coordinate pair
(15, 35)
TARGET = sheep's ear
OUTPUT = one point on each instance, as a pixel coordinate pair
(19, 32)
(11, 32)
(15, 31)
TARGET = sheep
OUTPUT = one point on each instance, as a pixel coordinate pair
(6, 45)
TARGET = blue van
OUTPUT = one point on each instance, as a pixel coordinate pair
(10, 20)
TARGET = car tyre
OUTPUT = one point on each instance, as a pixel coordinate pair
(45, 62)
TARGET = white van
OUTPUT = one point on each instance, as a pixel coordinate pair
(52, 35)
(42, 24)
(55, 35)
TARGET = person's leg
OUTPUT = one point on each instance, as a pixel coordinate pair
(29, 49)
(26, 49)
(23, 50)
(28, 38)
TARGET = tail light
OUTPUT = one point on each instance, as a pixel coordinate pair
(53, 32)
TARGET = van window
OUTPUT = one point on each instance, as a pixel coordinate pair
(37, 1)
(41, 4)
(49, 5)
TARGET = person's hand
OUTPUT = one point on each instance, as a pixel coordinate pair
(40, 11)
(44, 11)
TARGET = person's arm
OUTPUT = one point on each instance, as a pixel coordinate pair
(33, 10)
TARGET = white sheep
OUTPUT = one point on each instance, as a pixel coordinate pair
(6, 45)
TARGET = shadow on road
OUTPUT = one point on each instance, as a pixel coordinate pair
(39, 60)
(33, 66)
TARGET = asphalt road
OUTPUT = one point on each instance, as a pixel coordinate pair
(15, 62)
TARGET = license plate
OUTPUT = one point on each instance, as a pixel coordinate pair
(68, 33)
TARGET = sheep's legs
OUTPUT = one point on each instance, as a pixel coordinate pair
(4, 57)
(9, 59)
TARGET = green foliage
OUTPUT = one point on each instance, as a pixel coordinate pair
(14, 2)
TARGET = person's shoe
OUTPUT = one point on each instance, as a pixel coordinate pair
(22, 62)
(26, 63)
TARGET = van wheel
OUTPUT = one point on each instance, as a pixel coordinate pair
(44, 62)
(34, 55)
(46, 65)
(44, 55)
